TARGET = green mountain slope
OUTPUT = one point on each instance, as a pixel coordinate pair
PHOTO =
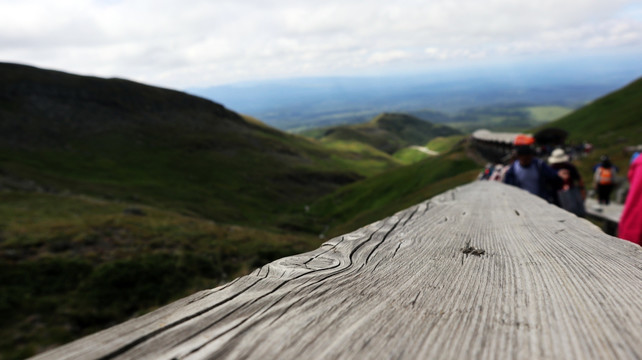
(614, 118)
(122, 140)
(610, 123)
(389, 132)
(71, 265)
(379, 196)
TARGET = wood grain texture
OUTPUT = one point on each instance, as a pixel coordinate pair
(549, 286)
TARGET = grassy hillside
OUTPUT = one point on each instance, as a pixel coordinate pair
(612, 119)
(117, 139)
(411, 130)
(610, 123)
(444, 144)
(71, 265)
(545, 114)
(388, 132)
(376, 197)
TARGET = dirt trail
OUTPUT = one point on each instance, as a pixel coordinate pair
(424, 150)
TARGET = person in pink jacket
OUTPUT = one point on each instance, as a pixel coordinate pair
(630, 227)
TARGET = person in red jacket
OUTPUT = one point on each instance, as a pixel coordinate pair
(630, 227)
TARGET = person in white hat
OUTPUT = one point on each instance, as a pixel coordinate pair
(559, 161)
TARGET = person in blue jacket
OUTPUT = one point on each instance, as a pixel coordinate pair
(533, 175)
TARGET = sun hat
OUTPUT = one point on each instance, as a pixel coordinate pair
(557, 156)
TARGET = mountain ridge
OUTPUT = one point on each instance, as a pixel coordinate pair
(72, 103)
(112, 137)
(388, 132)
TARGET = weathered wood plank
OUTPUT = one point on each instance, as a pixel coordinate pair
(550, 285)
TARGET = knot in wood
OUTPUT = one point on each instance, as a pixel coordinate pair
(472, 250)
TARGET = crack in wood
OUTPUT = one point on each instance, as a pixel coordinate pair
(377, 265)
(159, 331)
(382, 240)
(332, 247)
(363, 243)
(428, 203)
(287, 309)
(214, 291)
(397, 249)
(247, 304)
(410, 217)
(415, 300)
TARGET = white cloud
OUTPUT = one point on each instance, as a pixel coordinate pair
(200, 42)
(385, 57)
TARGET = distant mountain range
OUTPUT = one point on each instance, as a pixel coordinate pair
(293, 104)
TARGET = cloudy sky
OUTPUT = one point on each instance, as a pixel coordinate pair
(197, 43)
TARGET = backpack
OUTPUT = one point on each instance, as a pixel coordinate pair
(605, 176)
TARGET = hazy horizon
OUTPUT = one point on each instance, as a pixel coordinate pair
(312, 101)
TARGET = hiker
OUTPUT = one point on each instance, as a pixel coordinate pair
(487, 172)
(572, 194)
(604, 177)
(532, 174)
(630, 226)
(498, 173)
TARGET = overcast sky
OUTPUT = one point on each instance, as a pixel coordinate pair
(197, 43)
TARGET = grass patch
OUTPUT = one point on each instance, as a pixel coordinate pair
(409, 156)
(72, 265)
(545, 114)
(359, 157)
(444, 144)
(382, 195)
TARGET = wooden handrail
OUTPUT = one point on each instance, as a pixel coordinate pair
(484, 271)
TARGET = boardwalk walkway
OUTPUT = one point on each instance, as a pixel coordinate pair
(611, 212)
(547, 285)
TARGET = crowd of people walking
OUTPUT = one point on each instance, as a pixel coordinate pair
(555, 179)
